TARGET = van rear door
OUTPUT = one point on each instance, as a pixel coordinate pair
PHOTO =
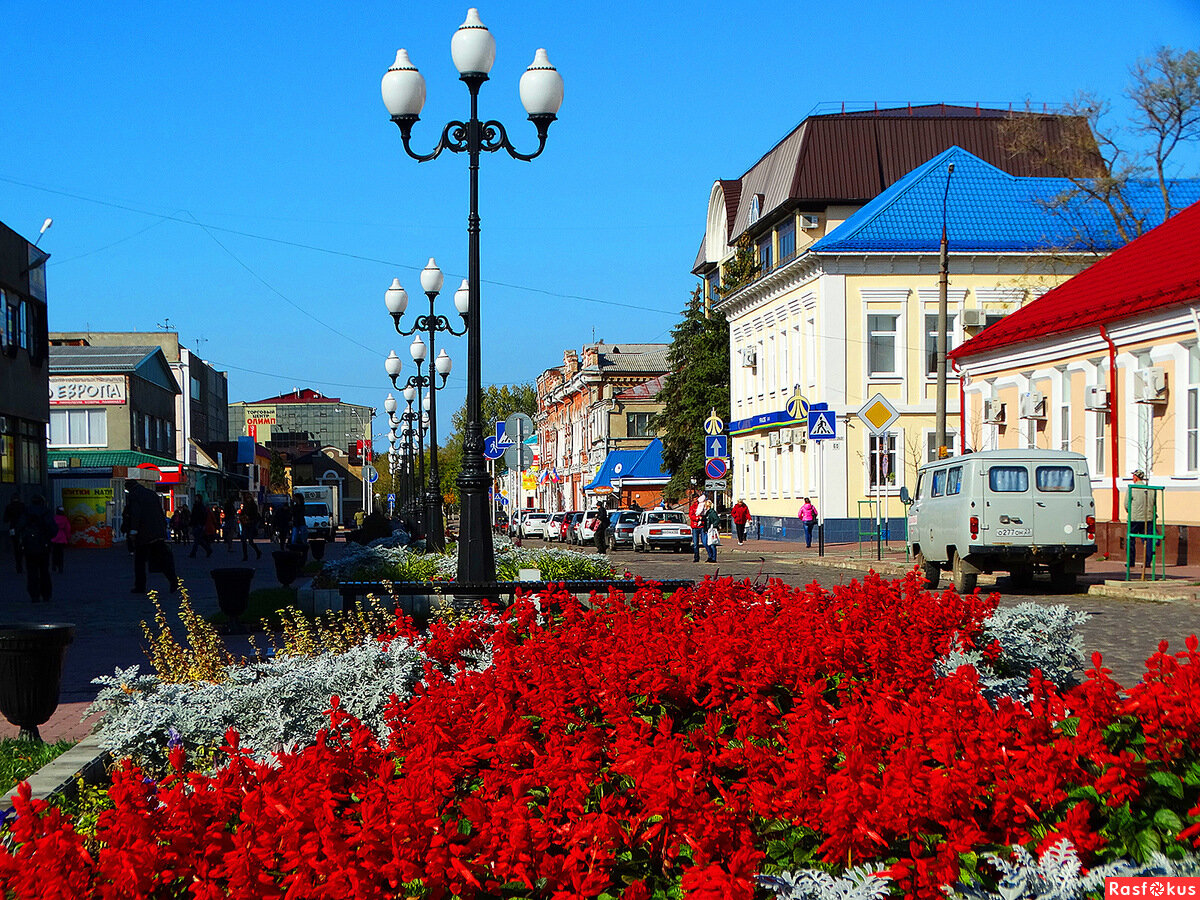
(1008, 505)
(1061, 489)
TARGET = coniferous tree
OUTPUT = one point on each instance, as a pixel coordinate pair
(698, 381)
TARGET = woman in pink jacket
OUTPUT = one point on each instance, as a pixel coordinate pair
(808, 515)
(62, 534)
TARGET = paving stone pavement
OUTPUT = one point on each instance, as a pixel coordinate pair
(94, 593)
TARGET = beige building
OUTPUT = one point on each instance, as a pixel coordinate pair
(1107, 365)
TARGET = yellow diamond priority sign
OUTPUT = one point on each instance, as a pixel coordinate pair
(878, 414)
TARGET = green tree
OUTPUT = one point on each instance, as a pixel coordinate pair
(698, 381)
(497, 402)
(277, 474)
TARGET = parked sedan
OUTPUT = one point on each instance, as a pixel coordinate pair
(662, 528)
(573, 524)
(620, 528)
(534, 525)
(565, 526)
(554, 527)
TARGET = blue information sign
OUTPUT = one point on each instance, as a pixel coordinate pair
(716, 445)
(822, 425)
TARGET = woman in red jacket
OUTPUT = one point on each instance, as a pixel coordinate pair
(741, 515)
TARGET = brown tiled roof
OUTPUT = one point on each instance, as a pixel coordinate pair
(852, 157)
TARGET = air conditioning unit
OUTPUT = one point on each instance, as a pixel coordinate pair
(774, 439)
(752, 447)
(1033, 405)
(800, 438)
(59, 464)
(974, 318)
(1095, 396)
(993, 412)
(1150, 385)
(749, 357)
(808, 223)
(787, 435)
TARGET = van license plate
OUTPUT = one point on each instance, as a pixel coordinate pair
(1014, 532)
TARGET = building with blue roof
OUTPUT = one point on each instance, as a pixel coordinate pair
(854, 315)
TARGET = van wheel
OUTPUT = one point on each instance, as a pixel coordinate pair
(931, 571)
(1062, 580)
(964, 582)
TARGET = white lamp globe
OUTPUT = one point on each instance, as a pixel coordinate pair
(424, 420)
(541, 87)
(392, 364)
(425, 402)
(394, 420)
(403, 87)
(417, 349)
(442, 363)
(462, 298)
(409, 393)
(473, 48)
(431, 277)
(396, 298)
(389, 405)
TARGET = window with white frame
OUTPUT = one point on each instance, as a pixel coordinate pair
(1101, 446)
(1193, 409)
(78, 428)
(810, 358)
(931, 445)
(1064, 427)
(785, 375)
(770, 366)
(931, 337)
(760, 370)
(881, 344)
(884, 467)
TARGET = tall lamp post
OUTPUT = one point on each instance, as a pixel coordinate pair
(396, 299)
(474, 50)
(943, 288)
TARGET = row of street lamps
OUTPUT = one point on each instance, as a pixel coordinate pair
(473, 50)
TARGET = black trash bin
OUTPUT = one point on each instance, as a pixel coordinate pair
(31, 662)
(233, 589)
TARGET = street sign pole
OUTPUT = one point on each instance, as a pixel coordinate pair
(821, 489)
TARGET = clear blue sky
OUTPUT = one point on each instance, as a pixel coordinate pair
(230, 168)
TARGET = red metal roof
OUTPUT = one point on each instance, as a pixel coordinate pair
(303, 395)
(1158, 270)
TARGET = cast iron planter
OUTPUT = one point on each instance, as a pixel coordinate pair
(317, 546)
(31, 661)
(233, 589)
(288, 565)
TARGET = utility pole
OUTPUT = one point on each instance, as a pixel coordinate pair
(943, 287)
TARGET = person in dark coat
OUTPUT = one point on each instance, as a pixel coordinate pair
(229, 522)
(35, 532)
(145, 526)
(600, 536)
(198, 519)
(248, 525)
(14, 514)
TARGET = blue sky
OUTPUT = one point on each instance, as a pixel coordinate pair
(230, 169)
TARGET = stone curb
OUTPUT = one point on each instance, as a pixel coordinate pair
(59, 778)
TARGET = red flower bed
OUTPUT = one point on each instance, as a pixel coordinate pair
(650, 744)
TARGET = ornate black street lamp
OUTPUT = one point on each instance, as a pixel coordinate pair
(396, 299)
(474, 50)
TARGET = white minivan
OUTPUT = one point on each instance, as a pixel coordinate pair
(1015, 511)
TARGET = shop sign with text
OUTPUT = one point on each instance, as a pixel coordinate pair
(87, 390)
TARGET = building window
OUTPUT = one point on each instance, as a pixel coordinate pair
(637, 424)
(195, 387)
(1064, 428)
(764, 254)
(931, 336)
(1101, 441)
(78, 428)
(23, 325)
(8, 458)
(787, 240)
(888, 462)
(1193, 409)
(881, 344)
(931, 447)
(810, 356)
(11, 317)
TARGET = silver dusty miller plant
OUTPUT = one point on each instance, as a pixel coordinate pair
(1031, 636)
(274, 705)
(1059, 874)
(858, 883)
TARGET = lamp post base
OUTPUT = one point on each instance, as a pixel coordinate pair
(476, 555)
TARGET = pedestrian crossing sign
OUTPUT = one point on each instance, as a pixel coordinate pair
(822, 425)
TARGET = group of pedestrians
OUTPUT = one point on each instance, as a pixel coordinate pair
(705, 522)
(36, 538)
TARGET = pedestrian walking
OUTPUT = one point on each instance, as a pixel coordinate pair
(248, 524)
(146, 530)
(198, 521)
(712, 526)
(62, 536)
(281, 521)
(299, 537)
(14, 515)
(1142, 517)
(600, 532)
(696, 520)
(808, 516)
(229, 522)
(35, 532)
(740, 515)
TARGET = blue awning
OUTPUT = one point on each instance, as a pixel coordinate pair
(633, 467)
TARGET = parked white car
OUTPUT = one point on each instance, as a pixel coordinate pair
(534, 524)
(554, 528)
(585, 532)
(662, 528)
